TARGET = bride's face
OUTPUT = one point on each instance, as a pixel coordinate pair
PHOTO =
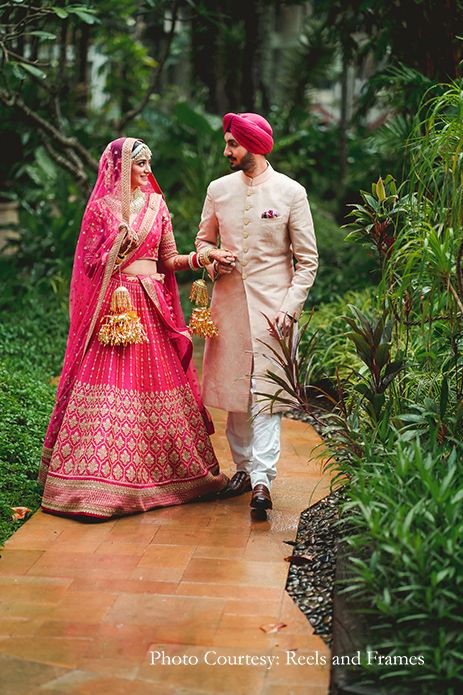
(139, 173)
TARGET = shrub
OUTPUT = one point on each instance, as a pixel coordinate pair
(406, 506)
(32, 340)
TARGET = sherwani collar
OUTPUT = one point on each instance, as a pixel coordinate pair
(257, 180)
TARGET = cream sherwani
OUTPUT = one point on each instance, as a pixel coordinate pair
(276, 266)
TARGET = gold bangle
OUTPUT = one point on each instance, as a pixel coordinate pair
(204, 257)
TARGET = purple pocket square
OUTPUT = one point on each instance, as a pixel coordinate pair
(269, 214)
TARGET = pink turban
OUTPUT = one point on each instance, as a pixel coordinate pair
(250, 130)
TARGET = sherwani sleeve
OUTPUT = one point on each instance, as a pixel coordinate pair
(208, 234)
(304, 249)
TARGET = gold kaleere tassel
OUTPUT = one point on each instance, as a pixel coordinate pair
(199, 294)
(201, 322)
(122, 326)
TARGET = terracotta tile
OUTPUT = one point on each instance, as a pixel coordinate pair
(157, 574)
(86, 532)
(124, 586)
(35, 589)
(68, 629)
(300, 667)
(101, 685)
(53, 651)
(249, 621)
(84, 545)
(83, 606)
(28, 610)
(69, 683)
(118, 547)
(176, 536)
(266, 550)
(188, 632)
(158, 610)
(23, 676)
(228, 590)
(19, 626)
(114, 668)
(236, 571)
(26, 543)
(129, 533)
(224, 538)
(53, 564)
(202, 677)
(31, 537)
(245, 639)
(17, 562)
(245, 606)
(166, 556)
(196, 578)
(291, 689)
(217, 552)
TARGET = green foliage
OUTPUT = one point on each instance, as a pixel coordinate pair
(377, 221)
(26, 402)
(406, 504)
(32, 339)
(373, 344)
(335, 354)
(396, 428)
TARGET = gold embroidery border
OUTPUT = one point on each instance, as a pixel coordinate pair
(126, 168)
(125, 493)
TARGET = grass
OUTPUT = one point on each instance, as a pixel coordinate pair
(32, 342)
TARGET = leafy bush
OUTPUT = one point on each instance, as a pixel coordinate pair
(32, 339)
(26, 401)
(406, 504)
(334, 352)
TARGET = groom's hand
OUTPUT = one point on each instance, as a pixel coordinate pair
(283, 323)
(224, 261)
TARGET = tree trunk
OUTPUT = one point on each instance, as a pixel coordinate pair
(204, 50)
(343, 123)
(82, 70)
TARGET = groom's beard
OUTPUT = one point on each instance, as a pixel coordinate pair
(247, 163)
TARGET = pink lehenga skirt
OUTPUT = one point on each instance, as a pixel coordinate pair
(133, 436)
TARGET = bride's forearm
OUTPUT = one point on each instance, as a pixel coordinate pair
(175, 263)
(192, 261)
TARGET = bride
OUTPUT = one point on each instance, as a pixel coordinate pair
(129, 431)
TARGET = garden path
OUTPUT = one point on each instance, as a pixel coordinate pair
(83, 606)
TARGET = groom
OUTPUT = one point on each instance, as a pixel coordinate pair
(263, 218)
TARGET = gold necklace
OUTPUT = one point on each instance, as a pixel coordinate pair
(137, 202)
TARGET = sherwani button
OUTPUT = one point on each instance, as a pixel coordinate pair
(245, 235)
(245, 250)
(243, 262)
(246, 221)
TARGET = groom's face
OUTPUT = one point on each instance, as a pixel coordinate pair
(237, 155)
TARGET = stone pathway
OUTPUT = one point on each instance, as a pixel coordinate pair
(87, 608)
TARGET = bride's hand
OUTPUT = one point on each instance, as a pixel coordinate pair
(132, 236)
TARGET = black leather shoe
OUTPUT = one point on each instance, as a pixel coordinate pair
(237, 485)
(261, 499)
